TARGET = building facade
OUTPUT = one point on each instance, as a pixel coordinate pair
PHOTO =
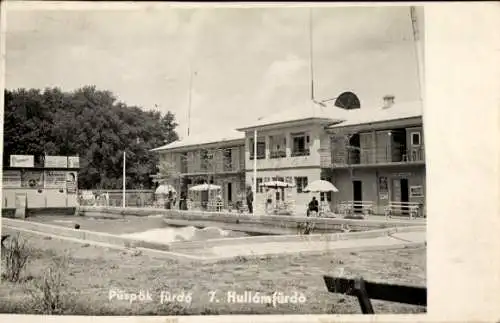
(374, 155)
(40, 183)
(289, 152)
(219, 162)
(378, 162)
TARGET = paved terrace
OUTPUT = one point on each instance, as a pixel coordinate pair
(229, 248)
(263, 224)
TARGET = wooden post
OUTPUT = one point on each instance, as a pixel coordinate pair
(362, 295)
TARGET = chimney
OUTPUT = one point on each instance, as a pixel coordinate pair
(388, 101)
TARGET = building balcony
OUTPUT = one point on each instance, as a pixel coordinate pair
(378, 156)
(277, 154)
(259, 156)
(300, 152)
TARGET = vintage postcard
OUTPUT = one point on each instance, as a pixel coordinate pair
(211, 160)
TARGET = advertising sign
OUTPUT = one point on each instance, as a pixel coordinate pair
(56, 162)
(71, 182)
(73, 162)
(416, 191)
(11, 179)
(55, 179)
(22, 161)
(32, 179)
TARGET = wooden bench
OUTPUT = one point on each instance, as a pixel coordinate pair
(412, 208)
(349, 207)
(365, 291)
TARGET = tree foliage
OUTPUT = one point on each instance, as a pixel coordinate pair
(89, 123)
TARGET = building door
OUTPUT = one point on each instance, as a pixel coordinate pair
(357, 192)
(404, 194)
(229, 192)
(204, 199)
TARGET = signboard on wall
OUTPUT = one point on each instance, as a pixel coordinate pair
(22, 161)
(383, 188)
(71, 182)
(56, 162)
(73, 162)
(55, 179)
(32, 179)
(416, 191)
(403, 175)
(11, 179)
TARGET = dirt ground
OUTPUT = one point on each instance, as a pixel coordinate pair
(93, 274)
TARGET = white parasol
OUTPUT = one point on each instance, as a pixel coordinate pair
(164, 189)
(321, 186)
(205, 187)
(277, 184)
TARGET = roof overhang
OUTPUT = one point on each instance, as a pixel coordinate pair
(378, 125)
(288, 123)
(209, 145)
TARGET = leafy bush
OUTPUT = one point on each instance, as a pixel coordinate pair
(49, 292)
(16, 255)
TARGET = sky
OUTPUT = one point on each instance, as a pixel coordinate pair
(247, 62)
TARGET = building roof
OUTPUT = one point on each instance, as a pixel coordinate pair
(403, 110)
(340, 117)
(203, 139)
(308, 110)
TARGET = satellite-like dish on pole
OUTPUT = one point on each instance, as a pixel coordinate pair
(348, 101)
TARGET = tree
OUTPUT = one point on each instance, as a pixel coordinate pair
(92, 124)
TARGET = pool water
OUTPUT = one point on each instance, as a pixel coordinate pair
(190, 233)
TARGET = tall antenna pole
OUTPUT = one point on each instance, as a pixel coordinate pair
(418, 50)
(311, 54)
(189, 98)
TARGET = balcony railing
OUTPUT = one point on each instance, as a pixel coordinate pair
(277, 154)
(379, 156)
(228, 167)
(259, 156)
(300, 152)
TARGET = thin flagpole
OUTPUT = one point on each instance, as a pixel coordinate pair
(124, 178)
(418, 48)
(254, 169)
(189, 98)
(311, 64)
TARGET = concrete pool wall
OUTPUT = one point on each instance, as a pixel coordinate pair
(208, 249)
(265, 224)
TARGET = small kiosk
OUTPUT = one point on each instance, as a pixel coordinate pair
(48, 185)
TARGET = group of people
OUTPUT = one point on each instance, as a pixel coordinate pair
(313, 205)
(171, 201)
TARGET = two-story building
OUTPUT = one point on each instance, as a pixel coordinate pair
(378, 156)
(372, 154)
(214, 159)
(288, 149)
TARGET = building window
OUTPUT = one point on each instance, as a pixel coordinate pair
(277, 147)
(301, 183)
(261, 148)
(204, 159)
(228, 159)
(326, 196)
(260, 189)
(300, 144)
(415, 139)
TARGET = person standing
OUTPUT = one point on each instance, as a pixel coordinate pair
(250, 199)
(313, 206)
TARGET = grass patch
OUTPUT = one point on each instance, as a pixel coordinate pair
(84, 281)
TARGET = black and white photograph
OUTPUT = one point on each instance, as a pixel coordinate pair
(187, 160)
